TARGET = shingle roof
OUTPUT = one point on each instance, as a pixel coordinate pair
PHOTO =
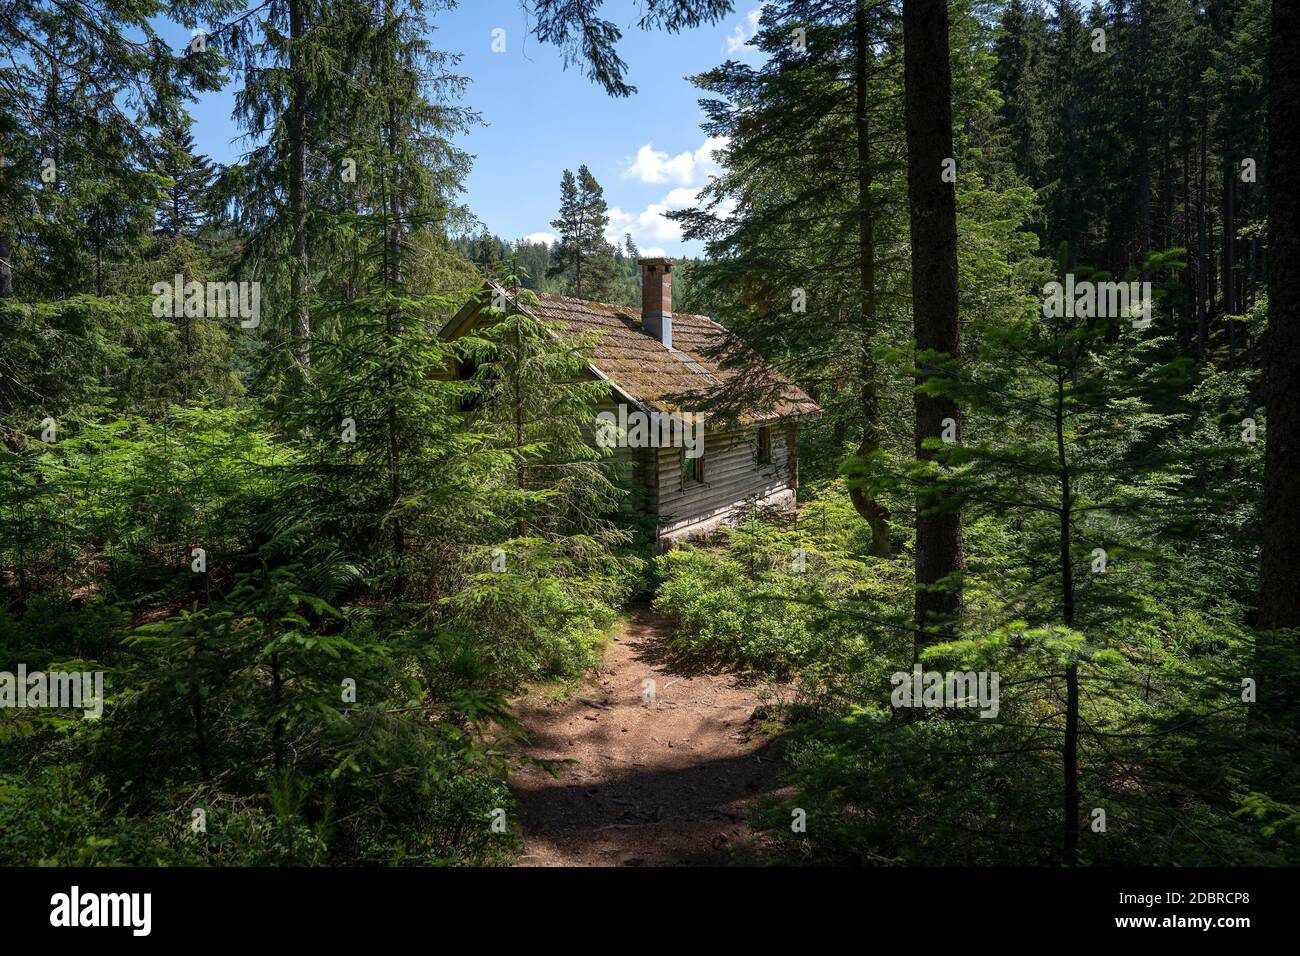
(690, 376)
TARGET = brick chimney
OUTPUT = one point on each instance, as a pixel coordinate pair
(657, 299)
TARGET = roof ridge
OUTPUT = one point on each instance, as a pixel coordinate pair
(613, 305)
(652, 378)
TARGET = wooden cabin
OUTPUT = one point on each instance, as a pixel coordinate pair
(666, 363)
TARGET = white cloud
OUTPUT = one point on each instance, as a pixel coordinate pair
(687, 168)
(681, 198)
(744, 32)
(705, 165)
(549, 238)
(689, 171)
(653, 225)
(653, 252)
(620, 223)
(653, 166)
(647, 226)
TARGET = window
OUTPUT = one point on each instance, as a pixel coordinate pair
(692, 468)
(765, 446)
(466, 369)
(482, 378)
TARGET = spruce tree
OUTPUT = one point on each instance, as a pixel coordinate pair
(802, 270)
(1071, 439)
(189, 176)
(555, 563)
(1019, 81)
(79, 92)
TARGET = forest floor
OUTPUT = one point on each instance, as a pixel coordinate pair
(661, 782)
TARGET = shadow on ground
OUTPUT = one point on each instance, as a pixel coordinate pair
(667, 764)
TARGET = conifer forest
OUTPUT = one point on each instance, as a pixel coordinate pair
(918, 487)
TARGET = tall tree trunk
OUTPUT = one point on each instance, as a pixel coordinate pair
(187, 345)
(1202, 255)
(1070, 759)
(866, 505)
(1143, 148)
(1252, 275)
(577, 271)
(1166, 191)
(1279, 573)
(298, 187)
(6, 246)
(1189, 271)
(932, 208)
(1229, 258)
(1211, 262)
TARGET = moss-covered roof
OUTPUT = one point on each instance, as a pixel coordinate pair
(692, 375)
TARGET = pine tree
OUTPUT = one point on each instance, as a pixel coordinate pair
(804, 263)
(487, 254)
(378, 338)
(1067, 103)
(189, 178)
(283, 54)
(583, 255)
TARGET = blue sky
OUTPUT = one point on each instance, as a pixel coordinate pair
(647, 150)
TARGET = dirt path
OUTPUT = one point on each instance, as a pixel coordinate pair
(655, 783)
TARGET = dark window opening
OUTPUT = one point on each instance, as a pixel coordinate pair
(466, 368)
(692, 467)
(765, 446)
(482, 380)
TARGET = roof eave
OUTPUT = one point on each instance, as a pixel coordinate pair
(808, 416)
(471, 308)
